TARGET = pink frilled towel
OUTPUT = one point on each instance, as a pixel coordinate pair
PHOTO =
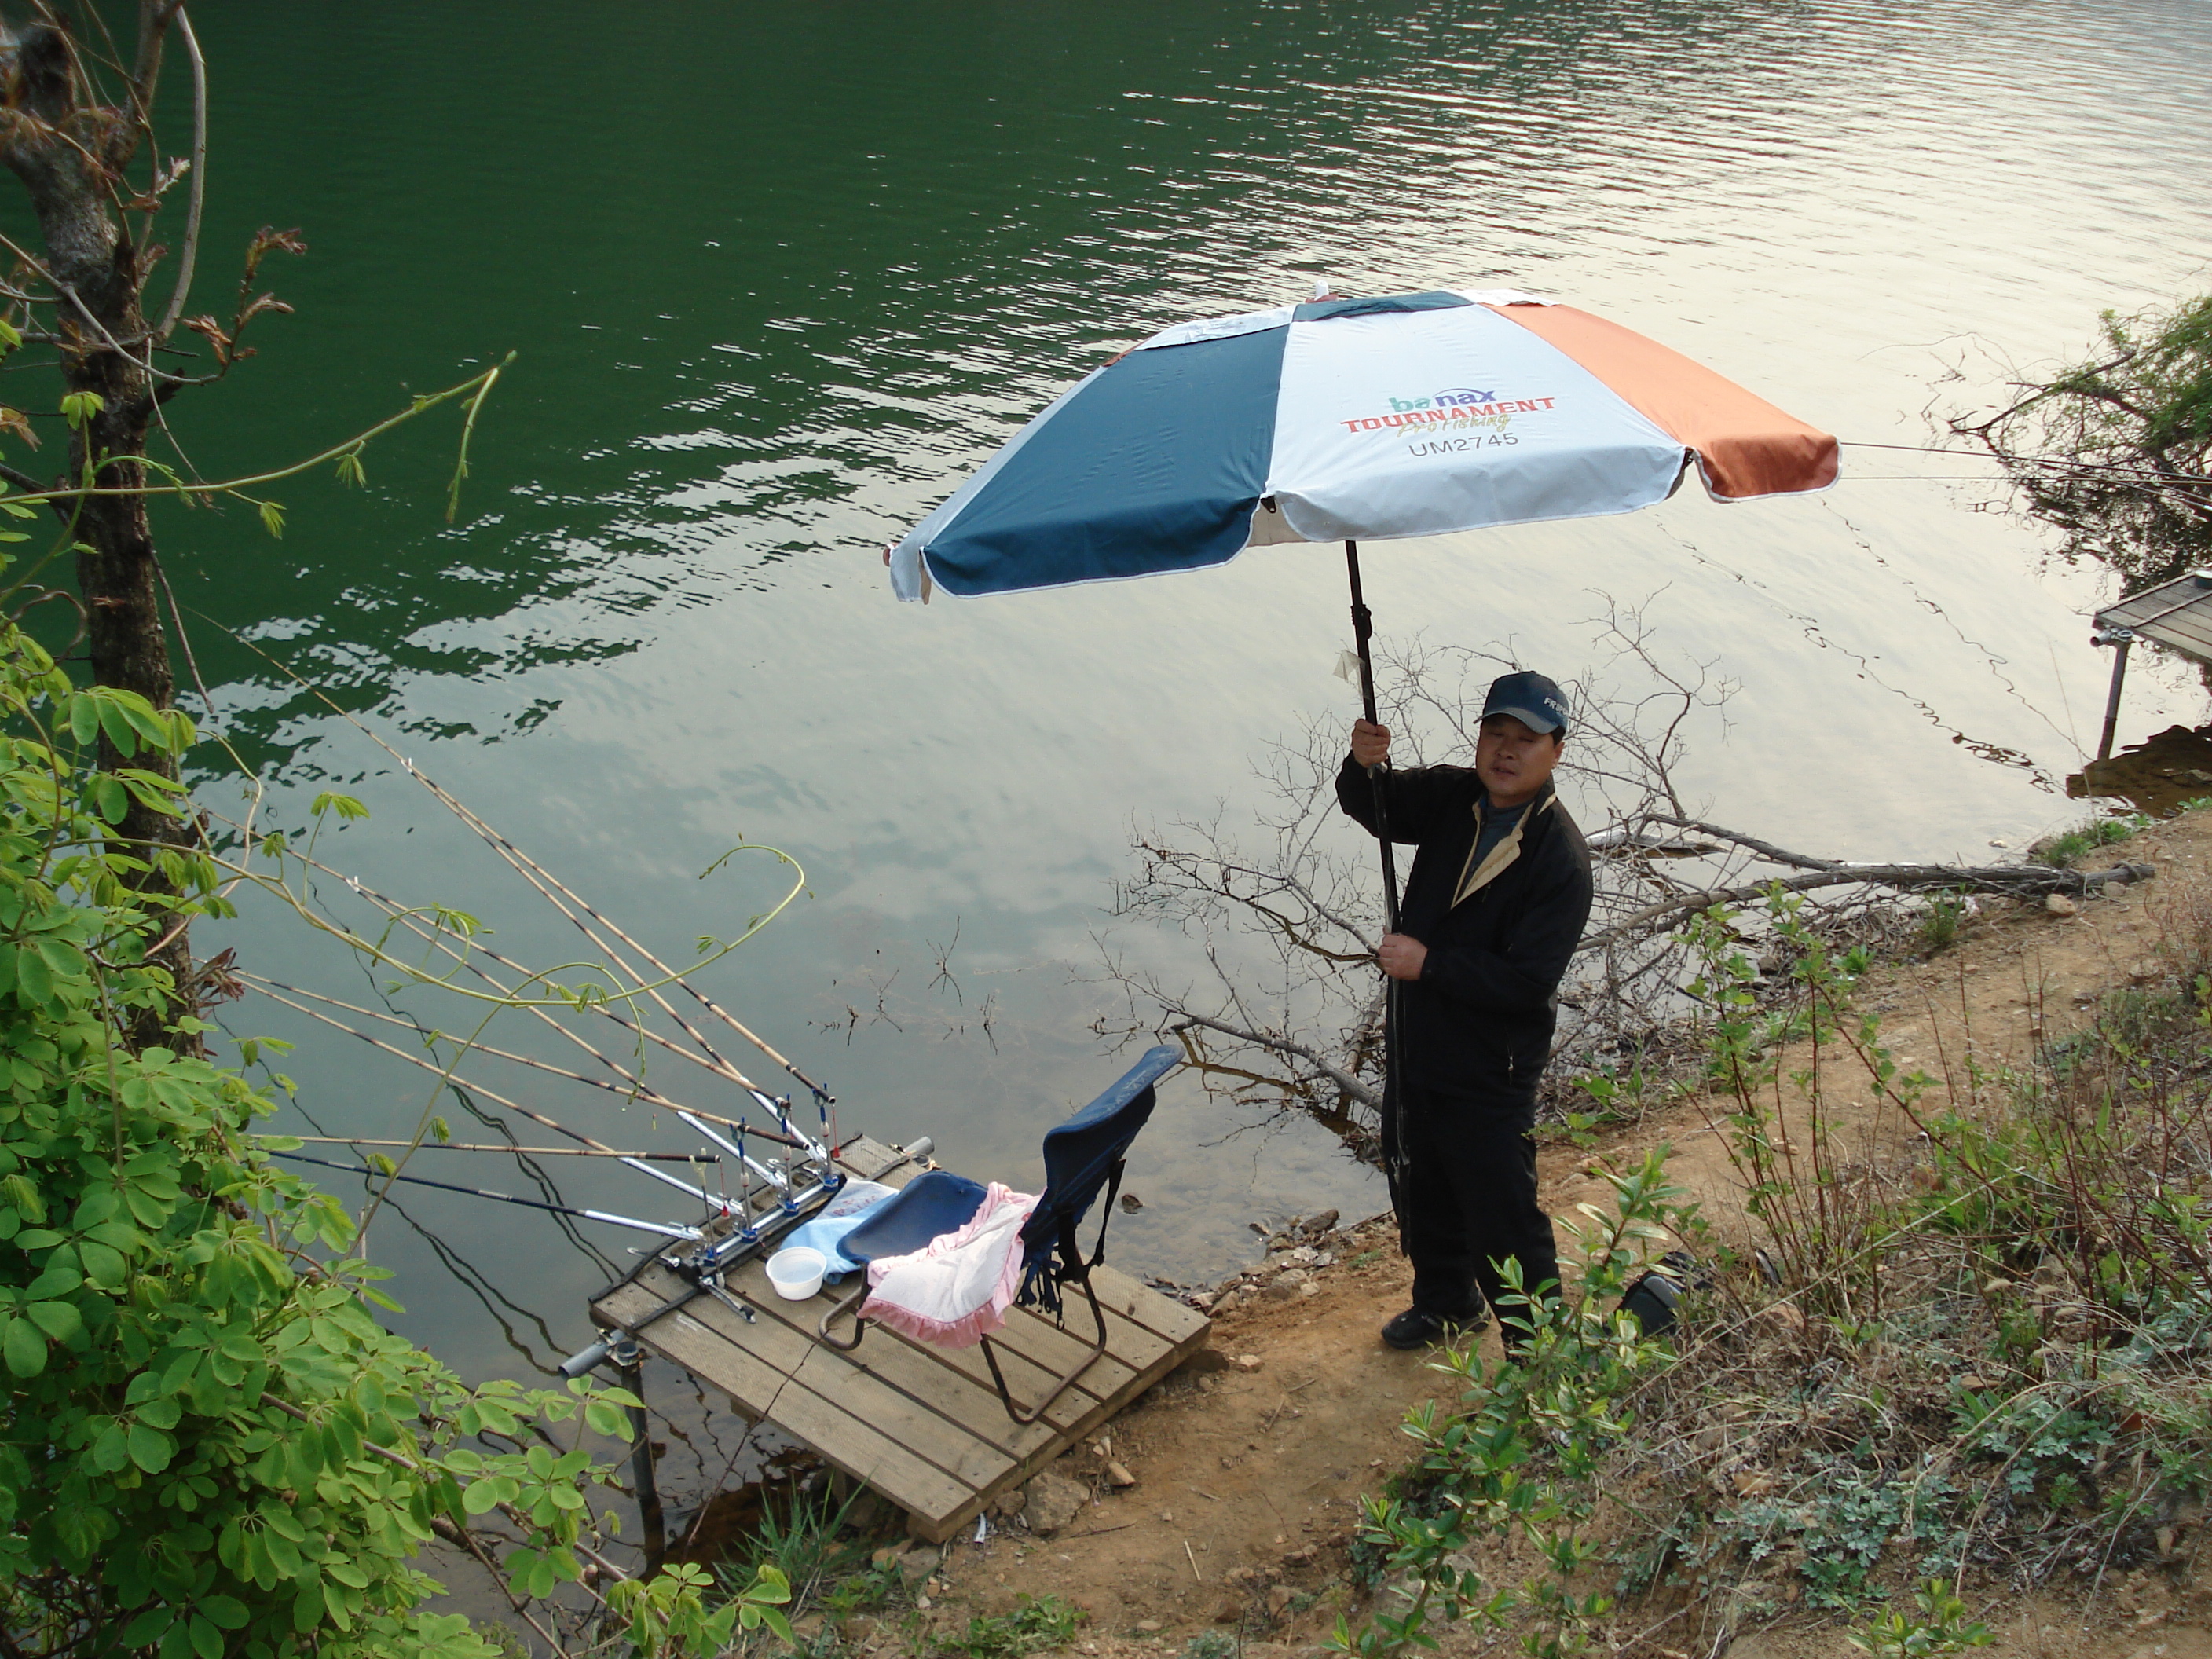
(955, 1291)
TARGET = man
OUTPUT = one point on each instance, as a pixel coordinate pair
(1493, 909)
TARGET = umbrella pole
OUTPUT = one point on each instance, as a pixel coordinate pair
(1363, 626)
(1393, 1127)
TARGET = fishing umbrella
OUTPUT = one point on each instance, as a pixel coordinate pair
(1349, 420)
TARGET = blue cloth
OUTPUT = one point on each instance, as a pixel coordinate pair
(826, 1233)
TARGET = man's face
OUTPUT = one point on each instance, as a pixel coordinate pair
(1513, 761)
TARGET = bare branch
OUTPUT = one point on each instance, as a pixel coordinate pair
(2018, 879)
(188, 254)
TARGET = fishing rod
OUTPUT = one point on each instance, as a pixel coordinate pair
(539, 1118)
(635, 1090)
(540, 877)
(686, 1233)
(405, 917)
(503, 1146)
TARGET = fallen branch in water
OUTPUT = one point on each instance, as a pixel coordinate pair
(2019, 880)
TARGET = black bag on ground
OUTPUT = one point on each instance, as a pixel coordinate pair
(1657, 1293)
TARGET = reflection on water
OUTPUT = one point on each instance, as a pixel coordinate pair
(778, 276)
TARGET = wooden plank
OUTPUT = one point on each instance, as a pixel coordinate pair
(937, 1529)
(856, 1447)
(923, 1425)
(1174, 1321)
(953, 1382)
(784, 1350)
(951, 1447)
(947, 1418)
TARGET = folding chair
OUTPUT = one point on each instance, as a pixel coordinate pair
(1081, 1155)
(1085, 1152)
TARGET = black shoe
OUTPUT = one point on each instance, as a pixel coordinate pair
(1416, 1328)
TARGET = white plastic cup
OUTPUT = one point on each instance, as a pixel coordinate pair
(797, 1272)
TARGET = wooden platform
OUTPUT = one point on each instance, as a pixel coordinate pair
(921, 1425)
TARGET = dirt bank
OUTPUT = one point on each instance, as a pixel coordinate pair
(1249, 1464)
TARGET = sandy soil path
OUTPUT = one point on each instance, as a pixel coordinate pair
(1248, 1464)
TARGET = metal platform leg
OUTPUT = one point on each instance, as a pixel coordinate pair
(2121, 641)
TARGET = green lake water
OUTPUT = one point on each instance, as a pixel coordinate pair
(776, 278)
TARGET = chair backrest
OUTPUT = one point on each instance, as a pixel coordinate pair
(1080, 1154)
(937, 1202)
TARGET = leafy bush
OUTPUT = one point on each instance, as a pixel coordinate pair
(2060, 850)
(1034, 1626)
(1521, 1455)
(209, 1446)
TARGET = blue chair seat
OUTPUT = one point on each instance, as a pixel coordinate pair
(928, 1205)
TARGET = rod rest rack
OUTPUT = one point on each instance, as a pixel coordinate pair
(703, 1266)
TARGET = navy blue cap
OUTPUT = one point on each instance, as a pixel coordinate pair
(1537, 703)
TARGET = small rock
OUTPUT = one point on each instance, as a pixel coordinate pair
(1117, 1474)
(921, 1603)
(1150, 1626)
(1324, 1259)
(1301, 1557)
(1279, 1598)
(1246, 1362)
(1783, 1316)
(1052, 1502)
(1310, 1288)
(2059, 905)
(917, 1563)
(1288, 1284)
(887, 1556)
(1323, 1223)
(1010, 1502)
(1300, 1256)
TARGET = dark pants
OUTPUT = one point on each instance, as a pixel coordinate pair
(1466, 1198)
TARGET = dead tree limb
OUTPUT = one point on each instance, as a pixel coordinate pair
(2021, 880)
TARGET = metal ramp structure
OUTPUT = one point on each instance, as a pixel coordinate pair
(921, 1425)
(2177, 614)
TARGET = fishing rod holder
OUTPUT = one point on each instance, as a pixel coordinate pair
(703, 1264)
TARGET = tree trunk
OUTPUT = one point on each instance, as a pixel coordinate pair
(71, 152)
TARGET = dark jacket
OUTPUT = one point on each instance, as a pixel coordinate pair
(1479, 1020)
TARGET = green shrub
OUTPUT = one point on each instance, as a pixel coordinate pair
(2060, 850)
(209, 1445)
(1034, 1626)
